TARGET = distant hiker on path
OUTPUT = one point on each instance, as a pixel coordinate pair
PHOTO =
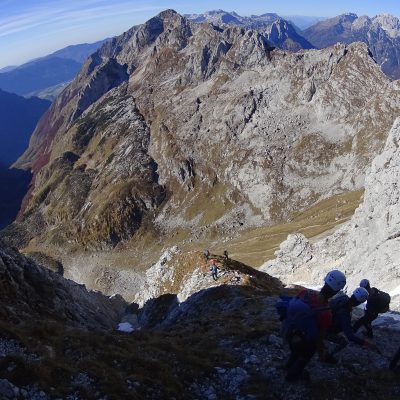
(206, 254)
(308, 317)
(341, 307)
(226, 255)
(378, 303)
(214, 270)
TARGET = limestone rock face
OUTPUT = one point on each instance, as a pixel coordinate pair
(173, 116)
(365, 247)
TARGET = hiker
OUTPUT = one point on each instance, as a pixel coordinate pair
(226, 255)
(214, 270)
(206, 254)
(395, 359)
(378, 303)
(342, 306)
(308, 318)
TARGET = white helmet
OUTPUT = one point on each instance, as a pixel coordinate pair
(336, 280)
(361, 294)
(364, 283)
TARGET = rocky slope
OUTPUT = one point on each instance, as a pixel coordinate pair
(381, 33)
(178, 111)
(221, 341)
(280, 32)
(366, 246)
(29, 291)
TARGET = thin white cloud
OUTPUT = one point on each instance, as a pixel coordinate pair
(91, 11)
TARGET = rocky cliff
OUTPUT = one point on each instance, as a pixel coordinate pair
(381, 33)
(174, 116)
(366, 246)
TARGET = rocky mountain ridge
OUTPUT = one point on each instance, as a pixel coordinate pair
(381, 33)
(262, 134)
(280, 32)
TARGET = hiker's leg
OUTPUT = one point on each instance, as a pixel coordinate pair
(303, 352)
(395, 359)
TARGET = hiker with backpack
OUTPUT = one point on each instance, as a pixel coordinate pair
(306, 320)
(378, 303)
(342, 307)
(214, 270)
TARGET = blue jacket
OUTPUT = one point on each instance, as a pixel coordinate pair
(341, 321)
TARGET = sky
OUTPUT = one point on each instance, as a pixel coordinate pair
(35, 28)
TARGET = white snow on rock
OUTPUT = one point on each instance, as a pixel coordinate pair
(368, 246)
(125, 327)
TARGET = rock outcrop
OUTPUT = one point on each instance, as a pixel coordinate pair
(29, 291)
(365, 247)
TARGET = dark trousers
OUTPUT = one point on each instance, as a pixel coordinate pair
(214, 275)
(395, 359)
(301, 352)
(366, 320)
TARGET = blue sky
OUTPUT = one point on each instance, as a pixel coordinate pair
(34, 28)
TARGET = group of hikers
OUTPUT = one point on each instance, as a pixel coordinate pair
(312, 316)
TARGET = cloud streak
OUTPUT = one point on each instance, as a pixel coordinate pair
(87, 11)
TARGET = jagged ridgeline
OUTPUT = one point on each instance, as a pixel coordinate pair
(199, 131)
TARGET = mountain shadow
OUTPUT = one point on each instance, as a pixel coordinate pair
(14, 184)
(18, 118)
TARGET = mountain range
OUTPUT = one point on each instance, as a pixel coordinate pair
(280, 32)
(52, 71)
(380, 33)
(179, 136)
(260, 134)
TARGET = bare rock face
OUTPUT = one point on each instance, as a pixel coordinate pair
(30, 291)
(365, 247)
(173, 116)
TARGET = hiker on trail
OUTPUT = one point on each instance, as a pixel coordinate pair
(206, 254)
(214, 270)
(307, 319)
(342, 306)
(226, 255)
(378, 303)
